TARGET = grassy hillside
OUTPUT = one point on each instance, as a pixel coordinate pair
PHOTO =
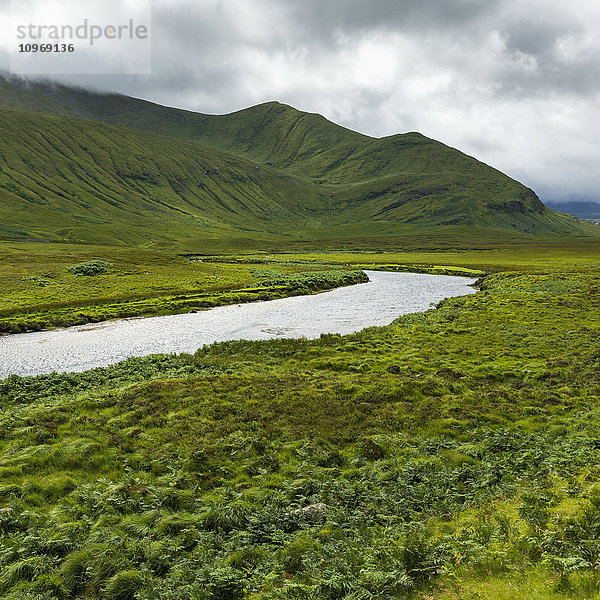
(78, 180)
(266, 175)
(452, 454)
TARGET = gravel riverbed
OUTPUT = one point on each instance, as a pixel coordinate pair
(344, 310)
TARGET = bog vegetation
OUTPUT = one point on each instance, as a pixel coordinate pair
(452, 454)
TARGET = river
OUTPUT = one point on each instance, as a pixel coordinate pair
(343, 310)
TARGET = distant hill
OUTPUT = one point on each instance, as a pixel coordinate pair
(83, 166)
(581, 210)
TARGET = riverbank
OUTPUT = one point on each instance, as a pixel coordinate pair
(378, 301)
(77, 314)
(50, 287)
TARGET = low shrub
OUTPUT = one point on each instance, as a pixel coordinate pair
(90, 268)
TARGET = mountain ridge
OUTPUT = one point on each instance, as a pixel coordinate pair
(270, 170)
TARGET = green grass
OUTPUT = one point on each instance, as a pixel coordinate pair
(457, 453)
(538, 583)
(68, 179)
(531, 256)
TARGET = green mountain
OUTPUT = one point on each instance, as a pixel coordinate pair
(64, 177)
(83, 166)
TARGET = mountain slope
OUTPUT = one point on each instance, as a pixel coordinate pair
(69, 178)
(132, 171)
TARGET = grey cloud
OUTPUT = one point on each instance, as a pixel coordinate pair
(491, 77)
(536, 38)
(541, 41)
(326, 17)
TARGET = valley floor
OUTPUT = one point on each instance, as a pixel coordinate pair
(452, 454)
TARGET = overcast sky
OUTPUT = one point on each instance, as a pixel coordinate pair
(515, 83)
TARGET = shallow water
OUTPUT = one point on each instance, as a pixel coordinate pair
(344, 310)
